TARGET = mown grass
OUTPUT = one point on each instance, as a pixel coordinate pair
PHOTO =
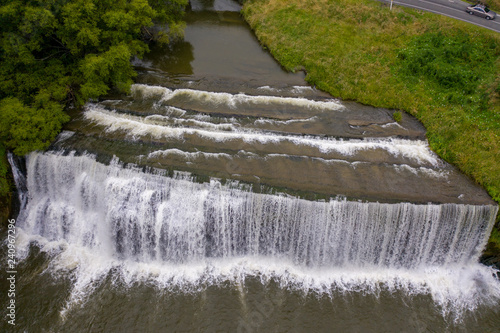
(443, 71)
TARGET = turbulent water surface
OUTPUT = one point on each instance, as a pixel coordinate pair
(224, 194)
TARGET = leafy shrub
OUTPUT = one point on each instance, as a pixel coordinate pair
(451, 62)
(60, 53)
(397, 116)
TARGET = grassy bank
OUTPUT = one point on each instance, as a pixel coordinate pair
(443, 71)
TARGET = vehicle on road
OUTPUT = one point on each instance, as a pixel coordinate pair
(481, 11)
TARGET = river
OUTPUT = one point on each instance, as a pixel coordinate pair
(224, 194)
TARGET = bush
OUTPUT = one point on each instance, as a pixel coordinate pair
(397, 116)
(55, 54)
(451, 62)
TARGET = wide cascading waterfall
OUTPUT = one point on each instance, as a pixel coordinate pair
(148, 217)
(101, 218)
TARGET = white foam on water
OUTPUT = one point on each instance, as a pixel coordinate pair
(301, 89)
(232, 101)
(93, 219)
(294, 89)
(422, 171)
(63, 136)
(187, 155)
(191, 156)
(148, 92)
(172, 111)
(136, 127)
(165, 120)
(284, 122)
(268, 88)
(456, 290)
(393, 124)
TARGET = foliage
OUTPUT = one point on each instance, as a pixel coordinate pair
(60, 53)
(443, 71)
(169, 12)
(398, 116)
(453, 64)
(495, 238)
(5, 187)
(27, 128)
(493, 4)
(4, 183)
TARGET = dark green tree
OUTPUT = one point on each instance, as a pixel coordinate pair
(60, 53)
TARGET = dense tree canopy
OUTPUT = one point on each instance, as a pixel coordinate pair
(57, 53)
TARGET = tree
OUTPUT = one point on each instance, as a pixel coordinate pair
(60, 53)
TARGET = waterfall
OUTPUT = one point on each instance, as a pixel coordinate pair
(94, 219)
(147, 217)
(20, 180)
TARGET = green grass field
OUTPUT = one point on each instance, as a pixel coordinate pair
(443, 71)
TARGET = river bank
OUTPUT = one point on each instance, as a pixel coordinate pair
(401, 59)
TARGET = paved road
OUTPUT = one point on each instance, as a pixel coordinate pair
(451, 8)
